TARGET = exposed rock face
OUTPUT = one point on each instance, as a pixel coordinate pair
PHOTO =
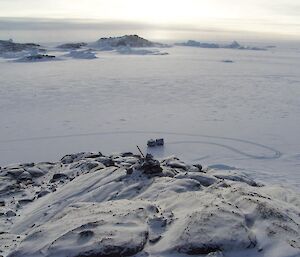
(89, 205)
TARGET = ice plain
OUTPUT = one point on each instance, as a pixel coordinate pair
(205, 109)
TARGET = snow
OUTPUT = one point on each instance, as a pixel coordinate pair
(243, 115)
(82, 54)
(239, 121)
(104, 211)
(129, 50)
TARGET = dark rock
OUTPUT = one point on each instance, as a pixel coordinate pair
(37, 57)
(25, 201)
(151, 143)
(10, 213)
(199, 166)
(25, 176)
(127, 154)
(42, 193)
(2, 203)
(191, 249)
(107, 161)
(228, 61)
(86, 234)
(58, 176)
(150, 165)
(160, 142)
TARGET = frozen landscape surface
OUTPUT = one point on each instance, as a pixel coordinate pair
(91, 205)
(239, 120)
(245, 115)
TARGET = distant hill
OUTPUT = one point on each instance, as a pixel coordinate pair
(126, 41)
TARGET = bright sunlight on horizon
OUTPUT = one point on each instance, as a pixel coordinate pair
(263, 16)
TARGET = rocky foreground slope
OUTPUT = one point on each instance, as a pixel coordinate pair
(92, 205)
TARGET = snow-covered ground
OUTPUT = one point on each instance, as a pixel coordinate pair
(244, 114)
(91, 205)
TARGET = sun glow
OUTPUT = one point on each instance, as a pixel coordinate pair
(278, 16)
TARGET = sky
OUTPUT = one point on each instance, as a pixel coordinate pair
(266, 17)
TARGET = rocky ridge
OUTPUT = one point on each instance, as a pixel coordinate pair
(89, 204)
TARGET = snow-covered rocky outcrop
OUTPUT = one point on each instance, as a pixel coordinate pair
(91, 205)
(129, 44)
(36, 57)
(233, 45)
(10, 46)
(127, 40)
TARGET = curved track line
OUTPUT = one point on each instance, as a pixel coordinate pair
(277, 154)
(235, 150)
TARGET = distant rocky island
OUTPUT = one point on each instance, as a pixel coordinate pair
(233, 45)
(126, 41)
(124, 45)
(10, 46)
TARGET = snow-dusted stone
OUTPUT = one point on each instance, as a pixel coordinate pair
(214, 228)
(89, 229)
(25, 176)
(106, 161)
(203, 179)
(233, 176)
(174, 162)
(42, 193)
(35, 172)
(15, 173)
(67, 159)
(215, 254)
(87, 165)
(59, 176)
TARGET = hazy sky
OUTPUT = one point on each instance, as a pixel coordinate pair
(264, 16)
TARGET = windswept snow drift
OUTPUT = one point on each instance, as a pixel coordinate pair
(93, 205)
